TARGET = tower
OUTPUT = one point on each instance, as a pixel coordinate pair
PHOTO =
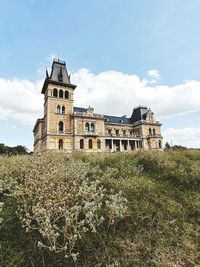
(58, 108)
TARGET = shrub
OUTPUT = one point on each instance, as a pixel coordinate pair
(137, 209)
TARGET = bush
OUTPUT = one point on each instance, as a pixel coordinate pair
(137, 209)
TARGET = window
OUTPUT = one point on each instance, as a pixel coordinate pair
(131, 132)
(87, 127)
(58, 109)
(63, 110)
(125, 145)
(60, 144)
(160, 144)
(150, 132)
(117, 132)
(90, 143)
(98, 144)
(66, 94)
(61, 126)
(81, 144)
(55, 92)
(61, 93)
(92, 127)
(124, 132)
(110, 131)
(154, 132)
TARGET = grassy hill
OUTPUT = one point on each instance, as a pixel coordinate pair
(139, 209)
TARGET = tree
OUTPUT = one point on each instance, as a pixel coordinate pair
(167, 146)
(16, 150)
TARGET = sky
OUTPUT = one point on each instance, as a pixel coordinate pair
(120, 54)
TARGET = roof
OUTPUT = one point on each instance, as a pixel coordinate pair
(137, 115)
(37, 123)
(58, 76)
(77, 109)
(59, 72)
(114, 119)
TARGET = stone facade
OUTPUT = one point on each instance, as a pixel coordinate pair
(67, 128)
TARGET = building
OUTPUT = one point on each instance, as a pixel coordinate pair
(68, 128)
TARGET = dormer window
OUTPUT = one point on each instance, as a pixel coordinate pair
(122, 121)
(60, 76)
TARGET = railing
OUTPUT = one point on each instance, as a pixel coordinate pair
(154, 135)
(89, 133)
(57, 60)
(122, 135)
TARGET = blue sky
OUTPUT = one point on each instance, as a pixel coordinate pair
(129, 37)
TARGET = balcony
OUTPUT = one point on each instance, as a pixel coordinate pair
(154, 136)
(89, 133)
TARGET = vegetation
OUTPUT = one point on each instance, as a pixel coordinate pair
(139, 209)
(15, 150)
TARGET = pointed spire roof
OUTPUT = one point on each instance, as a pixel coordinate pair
(47, 74)
(59, 75)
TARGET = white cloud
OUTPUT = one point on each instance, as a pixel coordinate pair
(185, 136)
(154, 74)
(111, 93)
(20, 100)
(117, 93)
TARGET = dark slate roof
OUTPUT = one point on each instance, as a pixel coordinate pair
(114, 119)
(59, 72)
(138, 113)
(77, 109)
(58, 76)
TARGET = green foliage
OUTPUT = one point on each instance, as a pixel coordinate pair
(110, 209)
(15, 150)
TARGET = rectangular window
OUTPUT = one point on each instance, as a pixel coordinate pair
(117, 132)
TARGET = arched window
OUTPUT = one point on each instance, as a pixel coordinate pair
(98, 144)
(160, 144)
(61, 126)
(55, 92)
(150, 132)
(61, 93)
(154, 132)
(58, 109)
(90, 143)
(87, 127)
(81, 144)
(66, 94)
(92, 127)
(63, 110)
(60, 144)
